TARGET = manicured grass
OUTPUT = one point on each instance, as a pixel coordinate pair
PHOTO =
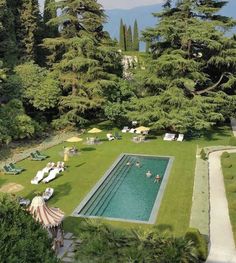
(230, 187)
(85, 169)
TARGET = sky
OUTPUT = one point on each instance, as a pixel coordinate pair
(127, 4)
(121, 4)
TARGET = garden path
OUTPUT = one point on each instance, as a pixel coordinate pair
(222, 246)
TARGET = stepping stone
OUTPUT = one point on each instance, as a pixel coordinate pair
(78, 241)
(68, 235)
(68, 260)
(72, 249)
(70, 254)
(63, 250)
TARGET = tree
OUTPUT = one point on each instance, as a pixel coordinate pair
(50, 12)
(27, 29)
(129, 40)
(135, 37)
(21, 235)
(122, 36)
(192, 59)
(84, 59)
(8, 44)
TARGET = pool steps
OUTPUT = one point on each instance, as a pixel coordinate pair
(107, 190)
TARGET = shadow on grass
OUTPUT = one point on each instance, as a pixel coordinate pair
(33, 193)
(81, 164)
(60, 191)
(88, 149)
(165, 228)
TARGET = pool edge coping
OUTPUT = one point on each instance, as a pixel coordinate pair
(156, 205)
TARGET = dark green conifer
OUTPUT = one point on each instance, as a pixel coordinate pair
(135, 37)
(122, 36)
(50, 12)
(129, 40)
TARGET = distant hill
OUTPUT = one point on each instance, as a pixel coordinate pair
(144, 16)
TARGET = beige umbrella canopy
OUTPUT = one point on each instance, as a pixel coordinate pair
(74, 139)
(94, 130)
(142, 129)
(48, 217)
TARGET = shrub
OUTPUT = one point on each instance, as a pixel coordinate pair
(199, 241)
(232, 188)
(225, 155)
(232, 141)
(203, 155)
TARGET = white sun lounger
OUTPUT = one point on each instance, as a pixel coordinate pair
(169, 137)
(52, 175)
(39, 176)
(48, 193)
(110, 137)
(132, 130)
(125, 129)
(180, 137)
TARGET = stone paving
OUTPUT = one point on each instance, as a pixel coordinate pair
(67, 252)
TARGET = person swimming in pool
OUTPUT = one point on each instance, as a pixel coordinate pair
(148, 173)
(128, 163)
(157, 178)
(137, 164)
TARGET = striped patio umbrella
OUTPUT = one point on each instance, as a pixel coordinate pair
(48, 217)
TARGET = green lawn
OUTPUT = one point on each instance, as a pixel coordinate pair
(90, 165)
(230, 186)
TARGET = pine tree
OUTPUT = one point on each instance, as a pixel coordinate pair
(122, 36)
(135, 37)
(191, 67)
(129, 40)
(85, 63)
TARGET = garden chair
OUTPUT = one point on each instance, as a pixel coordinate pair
(39, 177)
(13, 167)
(48, 193)
(35, 157)
(169, 137)
(52, 175)
(117, 136)
(40, 155)
(8, 170)
(180, 137)
(110, 137)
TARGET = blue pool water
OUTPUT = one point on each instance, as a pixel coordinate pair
(127, 193)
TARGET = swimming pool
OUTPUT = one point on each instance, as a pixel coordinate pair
(125, 192)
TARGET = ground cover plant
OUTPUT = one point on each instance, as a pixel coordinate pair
(228, 162)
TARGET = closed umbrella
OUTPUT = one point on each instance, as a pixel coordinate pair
(74, 139)
(94, 130)
(142, 129)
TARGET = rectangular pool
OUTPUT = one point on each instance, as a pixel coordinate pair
(125, 192)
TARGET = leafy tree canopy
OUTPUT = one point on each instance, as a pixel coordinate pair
(22, 239)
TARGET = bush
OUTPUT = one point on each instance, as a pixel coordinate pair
(225, 155)
(199, 241)
(228, 176)
(232, 141)
(203, 155)
(232, 188)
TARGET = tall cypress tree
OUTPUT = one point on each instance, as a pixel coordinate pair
(27, 29)
(8, 44)
(50, 12)
(135, 37)
(86, 62)
(129, 40)
(122, 36)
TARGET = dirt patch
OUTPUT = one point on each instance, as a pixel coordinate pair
(11, 188)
